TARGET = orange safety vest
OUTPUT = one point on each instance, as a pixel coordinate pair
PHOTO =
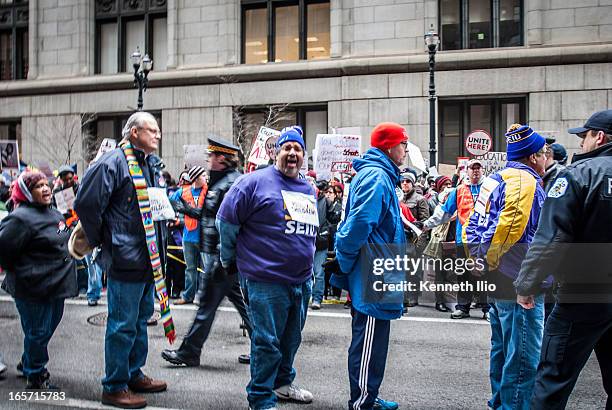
(465, 203)
(192, 223)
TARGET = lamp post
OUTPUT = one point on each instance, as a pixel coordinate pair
(142, 66)
(432, 40)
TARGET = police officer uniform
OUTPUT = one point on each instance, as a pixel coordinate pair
(218, 282)
(574, 241)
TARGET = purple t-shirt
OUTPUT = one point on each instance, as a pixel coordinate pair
(270, 247)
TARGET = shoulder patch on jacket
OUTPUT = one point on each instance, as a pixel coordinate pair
(559, 188)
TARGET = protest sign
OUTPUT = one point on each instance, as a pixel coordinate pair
(9, 157)
(416, 157)
(462, 166)
(493, 161)
(335, 153)
(478, 142)
(64, 200)
(196, 155)
(446, 169)
(108, 144)
(301, 207)
(264, 147)
(161, 209)
(304, 169)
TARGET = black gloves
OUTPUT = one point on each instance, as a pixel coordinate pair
(331, 265)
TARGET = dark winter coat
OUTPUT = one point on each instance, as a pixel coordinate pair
(34, 252)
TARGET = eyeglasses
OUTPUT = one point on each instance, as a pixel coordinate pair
(152, 131)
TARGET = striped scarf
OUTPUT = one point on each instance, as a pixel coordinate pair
(140, 184)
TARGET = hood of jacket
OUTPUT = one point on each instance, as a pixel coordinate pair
(374, 157)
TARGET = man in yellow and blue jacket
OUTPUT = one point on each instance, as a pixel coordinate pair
(499, 231)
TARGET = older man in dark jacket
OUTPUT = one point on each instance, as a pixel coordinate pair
(111, 216)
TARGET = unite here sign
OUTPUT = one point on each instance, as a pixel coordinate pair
(478, 142)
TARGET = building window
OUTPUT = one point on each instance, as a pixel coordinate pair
(480, 23)
(312, 119)
(459, 118)
(124, 25)
(13, 39)
(109, 126)
(278, 31)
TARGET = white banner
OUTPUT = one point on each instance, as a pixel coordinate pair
(264, 147)
(493, 161)
(64, 200)
(335, 153)
(161, 209)
(301, 207)
(416, 157)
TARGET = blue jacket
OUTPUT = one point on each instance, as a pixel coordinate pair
(504, 223)
(372, 217)
(108, 210)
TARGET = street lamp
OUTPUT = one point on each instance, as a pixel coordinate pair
(142, 66)
(432, 40)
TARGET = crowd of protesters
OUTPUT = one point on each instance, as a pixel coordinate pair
(232, 234)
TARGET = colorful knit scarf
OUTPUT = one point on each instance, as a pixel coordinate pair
(140, 184)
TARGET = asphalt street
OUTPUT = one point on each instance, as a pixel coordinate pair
(434, 362)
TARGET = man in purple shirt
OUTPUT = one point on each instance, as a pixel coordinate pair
(267, 225)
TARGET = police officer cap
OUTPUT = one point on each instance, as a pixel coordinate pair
(220, 146)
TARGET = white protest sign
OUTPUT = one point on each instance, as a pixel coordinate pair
(196, 155)
(301, 207)
(108, 144)
(478, 142)
(493, 161)
(264, 146)
(64, 200)
(416, 157)
(161, 209)
(335, 153)
(433, 172)
(462, 165)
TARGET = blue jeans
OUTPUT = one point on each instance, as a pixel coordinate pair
(130, 304)
(319, 275)
(516, 340)
(191, 251)
(94, 282)
(38, 321)
(278, 314)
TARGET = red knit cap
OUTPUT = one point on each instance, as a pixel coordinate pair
(387, 135)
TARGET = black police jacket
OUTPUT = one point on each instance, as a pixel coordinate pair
(218, 185)
(34, 252)
(574, 238)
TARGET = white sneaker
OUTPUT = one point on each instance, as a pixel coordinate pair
(293, 392)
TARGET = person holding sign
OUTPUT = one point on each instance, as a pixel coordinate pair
(499, 231)
(115, 213)
(372, 217)
(217, 283)
(268, 225)
(192, 196)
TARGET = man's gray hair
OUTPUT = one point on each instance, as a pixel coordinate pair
(138, 120)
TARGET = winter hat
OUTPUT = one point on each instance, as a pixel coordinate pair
(195, 172)
(22, 190)
(291, 134)
(408, 176)
(387, 135)
(440, 181)
(65, 169)
(523, 141)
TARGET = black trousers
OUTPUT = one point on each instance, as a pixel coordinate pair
(210, 301)
(572, 332)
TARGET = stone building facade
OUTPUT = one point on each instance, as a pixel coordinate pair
(553, 73)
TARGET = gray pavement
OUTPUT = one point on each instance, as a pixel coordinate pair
(434, 363)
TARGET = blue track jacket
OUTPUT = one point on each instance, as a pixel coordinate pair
(372, 217)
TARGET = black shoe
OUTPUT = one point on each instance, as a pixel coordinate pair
(411, 304)
(152, 321)
(244, 359)
(40, 382)
(348, 304)
(92, 302)
(441, 307)
(404, 311)
(174, 357)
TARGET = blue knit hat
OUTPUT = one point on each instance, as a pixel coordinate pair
(293, 134)
(523, 141)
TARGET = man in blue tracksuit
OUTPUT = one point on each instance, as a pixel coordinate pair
(372, 217)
